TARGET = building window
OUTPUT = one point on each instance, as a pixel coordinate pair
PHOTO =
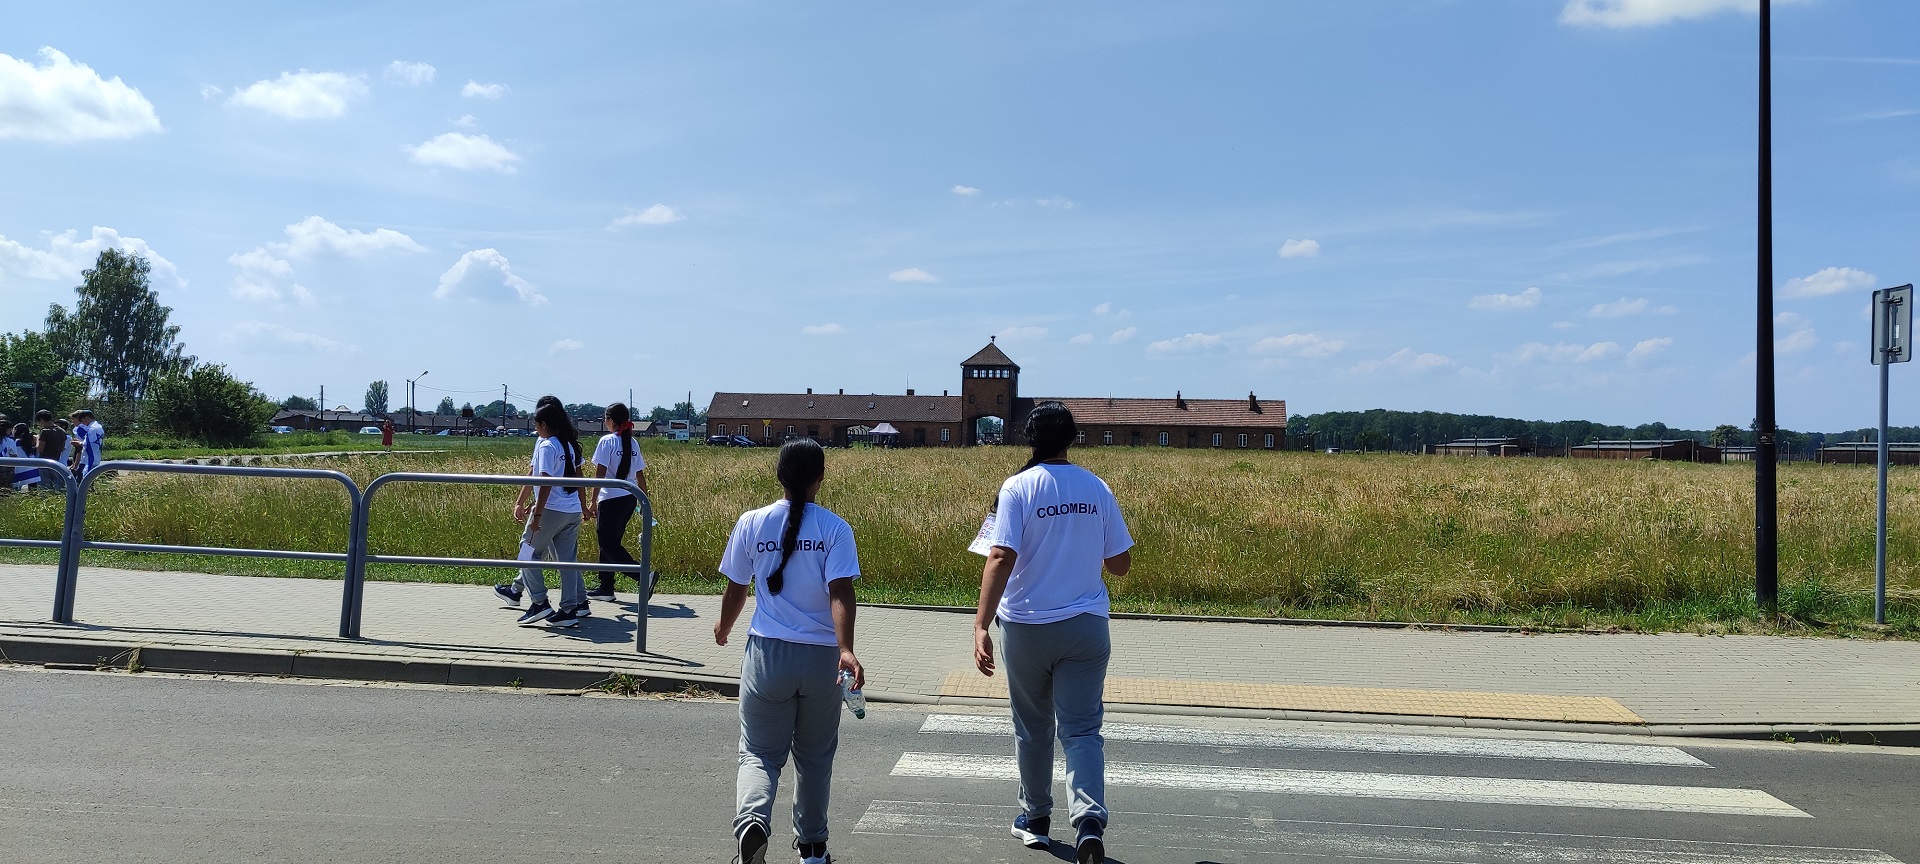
(1165, 439)
(945, 435)
(1269, 440)
(1243, 440)
(790, 432)
(720, 429)
(813, 431)
(1217, 438)
(1106, 437)
(1080, 437)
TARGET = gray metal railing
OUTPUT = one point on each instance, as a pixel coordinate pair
(357, 564)
(76, 542)
(71, 491)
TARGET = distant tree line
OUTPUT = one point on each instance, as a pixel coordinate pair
(1409, 431)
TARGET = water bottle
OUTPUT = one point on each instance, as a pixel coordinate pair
(856, 702)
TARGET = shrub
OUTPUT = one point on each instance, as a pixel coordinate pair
(206, 404)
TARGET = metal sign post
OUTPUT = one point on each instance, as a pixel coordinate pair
(1892, 343)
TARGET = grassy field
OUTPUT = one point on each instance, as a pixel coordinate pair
(145, 447)
(1550, 543)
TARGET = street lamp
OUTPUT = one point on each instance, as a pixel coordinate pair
(413, 406)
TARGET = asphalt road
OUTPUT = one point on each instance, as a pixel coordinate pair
(120, 768)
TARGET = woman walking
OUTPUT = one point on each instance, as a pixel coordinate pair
(1055, 527)
(618, 456)
(800, 559)
(552, 520)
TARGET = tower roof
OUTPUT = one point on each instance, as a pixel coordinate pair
(990, 356)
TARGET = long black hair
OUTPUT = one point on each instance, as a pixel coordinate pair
(623, 426)
(560, 426)
(1050, 430)
(801, 464)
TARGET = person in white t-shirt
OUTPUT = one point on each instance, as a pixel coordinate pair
(618, 456)
(88, 439)
(552, 520)
(1055, 527)
(801, 562)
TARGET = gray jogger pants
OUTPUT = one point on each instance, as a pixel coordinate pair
(1056, 681)
(559, 541)
(789, 701)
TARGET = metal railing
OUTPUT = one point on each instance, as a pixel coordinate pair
(357, 565)
(69, 490)
(76, 542)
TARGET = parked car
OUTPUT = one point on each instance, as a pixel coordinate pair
(283, 430)
(718, 441)
(742, 441)
(444, 432)
(369, 430)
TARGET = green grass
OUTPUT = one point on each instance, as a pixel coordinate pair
(152, 447)
(1545, 543)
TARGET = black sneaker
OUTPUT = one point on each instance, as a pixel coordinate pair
(1032, 831)
(508, 593)
(568, 617)
(603, 593)
(753, 845)
(1090, 848)
(813, 853)
(535, 614)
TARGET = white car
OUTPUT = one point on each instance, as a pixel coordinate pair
(369, 430)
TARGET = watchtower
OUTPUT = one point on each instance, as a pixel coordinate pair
(989, 387)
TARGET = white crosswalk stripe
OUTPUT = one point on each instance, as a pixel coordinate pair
(1411, 745)
(1413, 787)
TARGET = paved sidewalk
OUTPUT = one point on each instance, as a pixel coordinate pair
(1669, 680)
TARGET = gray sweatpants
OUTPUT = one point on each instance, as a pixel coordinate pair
(789, 701)
(1056, 679)
(558, 540)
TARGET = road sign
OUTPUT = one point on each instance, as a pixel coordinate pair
(1893, 325)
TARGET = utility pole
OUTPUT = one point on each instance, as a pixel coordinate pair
(1766, 491)
(413, 407)
(503, 408)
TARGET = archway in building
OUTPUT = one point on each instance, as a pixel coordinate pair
(989, 429)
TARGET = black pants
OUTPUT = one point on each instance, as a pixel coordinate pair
(611, 530)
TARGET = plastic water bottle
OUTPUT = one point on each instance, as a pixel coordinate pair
(856, 702)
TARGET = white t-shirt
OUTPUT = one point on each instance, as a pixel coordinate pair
(1062, 523)
(800, 612)
(550, 461)
(606, 454)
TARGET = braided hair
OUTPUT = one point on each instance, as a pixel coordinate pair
(802, 463)
(1050, 430)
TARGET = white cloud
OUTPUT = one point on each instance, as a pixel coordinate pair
(966, 191)
(823, 330)
(313, 235)
(1300, 249)
(1564, 325)
(1016, 334)
(658, 214)
(1404, 360)
(1107, 310)
(210, 92)
(1082, 339)
(1061, 202)
(1527, 299)
(302, 95)
(1122, 335)
(475, 89)
(1187, 344)
(1845, 348)
(280, 333)
(67, 254)
(1832, 280)
(452, 282)
(565, 345)
(410, 74)
(1621, 308)
(465, 152)
(1647, 13)
(1800, 334)
(466, 121)
(61, 100)
(1565, 352)
(266, 278)
(911, 274)
(1304, 345)
(1646, 349)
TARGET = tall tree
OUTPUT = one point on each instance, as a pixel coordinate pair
(1724, 434)
(117, 334)
(446, 408)
(376, 402)
(28, 358)
(300, 403)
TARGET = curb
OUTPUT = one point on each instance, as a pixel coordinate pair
(86, 654)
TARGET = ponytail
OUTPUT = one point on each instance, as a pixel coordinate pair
(560, 426)
(802, 463)
(623, 425)
(1049, 429)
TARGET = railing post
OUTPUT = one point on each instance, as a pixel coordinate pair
(646, 572)
(67, 575)
(352, 595)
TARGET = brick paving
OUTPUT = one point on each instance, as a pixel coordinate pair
(1665, 679)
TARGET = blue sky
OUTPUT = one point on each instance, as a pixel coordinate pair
(1531, 208)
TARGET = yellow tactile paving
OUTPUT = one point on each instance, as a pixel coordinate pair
(1357, 700)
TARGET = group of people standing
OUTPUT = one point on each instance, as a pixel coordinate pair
(75, 442)
(1053, 529)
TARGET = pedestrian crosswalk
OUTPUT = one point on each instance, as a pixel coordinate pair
(965, 749)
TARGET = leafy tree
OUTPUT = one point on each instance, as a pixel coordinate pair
(446, 408)
(117, 334)
(585, 411)
(204, 403)
(299, 403)
(29, 358)
(1725, 434)
(376, 401)
(494, 409)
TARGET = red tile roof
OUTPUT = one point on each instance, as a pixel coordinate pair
(833, 407)
(1167, 412)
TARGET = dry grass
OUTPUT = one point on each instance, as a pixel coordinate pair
(1547, 542)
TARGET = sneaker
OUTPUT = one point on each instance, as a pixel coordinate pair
(508, 593)
(753, 845)
(535, 614)
(586, 609)
(1090, 848)
(568, 617)
(813, 853)
(1032, 831)
(604, 592)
